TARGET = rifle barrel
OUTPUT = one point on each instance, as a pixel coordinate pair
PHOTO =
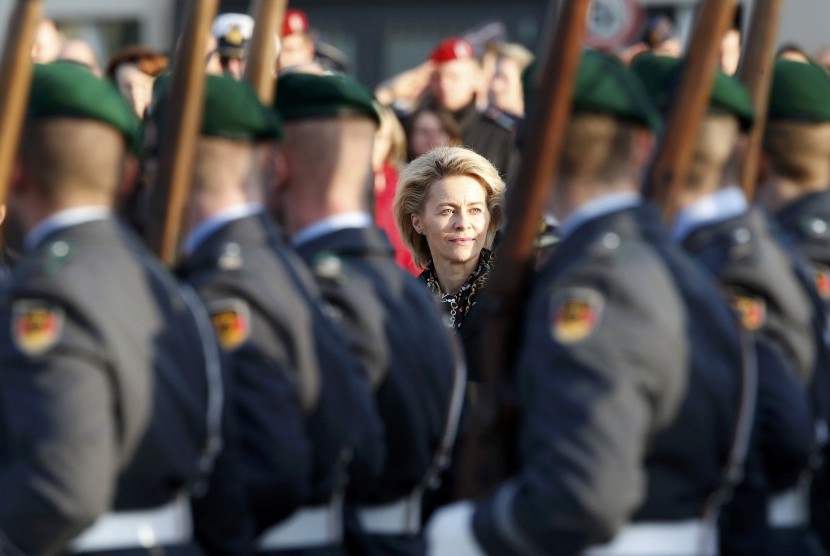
(691, 99)
(261, 67)
(15, 83)
(179, 132)
(486, 457)
(756, 74)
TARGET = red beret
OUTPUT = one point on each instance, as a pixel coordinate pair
(295, 22)
(454, 48)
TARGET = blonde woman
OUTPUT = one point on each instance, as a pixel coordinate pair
(448, 207)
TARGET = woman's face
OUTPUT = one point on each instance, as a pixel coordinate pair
(427, 133)
(454, 219)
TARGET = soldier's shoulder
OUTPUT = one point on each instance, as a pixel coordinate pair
(612, 251)
(46, 264)
(624, 269)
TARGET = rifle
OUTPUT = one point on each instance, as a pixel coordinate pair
(756, 74)
(180, 131)
(488, 454)
(671, 167)
(260, 70)
(15, 83)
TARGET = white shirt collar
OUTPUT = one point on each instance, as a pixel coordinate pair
(721, 205)
(64, 219)
(331, 224)
(213, 224)
(598, 207)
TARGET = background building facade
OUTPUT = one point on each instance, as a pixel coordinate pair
(380, 37)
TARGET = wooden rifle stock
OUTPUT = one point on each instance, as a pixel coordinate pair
(756, 74)
(15, 83)
(260, 70)
(691, 100)
(488, 455)
(179, 132)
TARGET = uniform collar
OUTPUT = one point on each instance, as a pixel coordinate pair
(216, 222)
(719, 206)
(595, 208)
(332, 224)
(64, 219)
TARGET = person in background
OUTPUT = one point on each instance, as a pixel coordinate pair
(659, 38)
(134, 70)
(405, 92)
(455, 80)
(730, 51)
(297, 48)
(793, 52)
(429, 127)
(213, 66)
(822, 57)
(47, 43)
(81, 53)
(505, 92)
(233, 32)
(449, 205)
(388, 155)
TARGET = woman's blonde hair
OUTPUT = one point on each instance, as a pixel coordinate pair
(417, 178)
(389, 123)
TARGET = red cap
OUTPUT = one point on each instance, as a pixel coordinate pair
(295, 22)
(454, 48)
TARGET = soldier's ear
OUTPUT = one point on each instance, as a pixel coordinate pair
(16, 183)
(278, 169)
(764, 168)
(129, 176)
(644, 145)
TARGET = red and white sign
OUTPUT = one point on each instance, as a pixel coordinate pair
(613, 24)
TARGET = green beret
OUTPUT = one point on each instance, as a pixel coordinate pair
(232, 110)
(605, 86)
(799, 92)
(660, 75)
(67, 90)
(306, 96)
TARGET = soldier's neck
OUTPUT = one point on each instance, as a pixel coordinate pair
(778, 192)
(568, 197)
(307, 210)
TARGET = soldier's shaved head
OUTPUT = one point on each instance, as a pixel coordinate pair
(224, 166)
(329, 166)
(800, 151)
(710, 168)
(70, 161)
(597, 148)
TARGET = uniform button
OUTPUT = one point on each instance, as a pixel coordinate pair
(611, 241)
(742, 235)
(819, 227)
(60, 249)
